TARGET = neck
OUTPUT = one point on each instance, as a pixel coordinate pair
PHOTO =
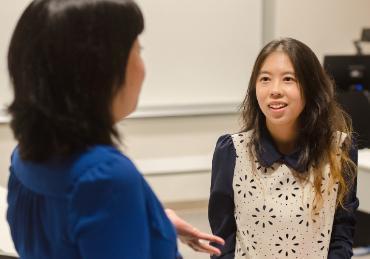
(285, 137)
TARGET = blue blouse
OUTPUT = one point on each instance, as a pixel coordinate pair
(93, 205)
(221, 202)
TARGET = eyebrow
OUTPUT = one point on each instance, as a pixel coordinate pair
(284, 73)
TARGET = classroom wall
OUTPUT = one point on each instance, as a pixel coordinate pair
(184, 44)
(328, 27)
(7, 144)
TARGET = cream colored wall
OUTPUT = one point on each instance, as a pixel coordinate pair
(7, 144)
(328, 27)
(158, 138)
(174, 138)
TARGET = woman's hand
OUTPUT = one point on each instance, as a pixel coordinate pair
(192, 236)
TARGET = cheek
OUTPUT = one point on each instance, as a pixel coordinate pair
(296, 97)
(300, 102)
(143, 72)
(138, 77)
(140, 67)
(260, 96)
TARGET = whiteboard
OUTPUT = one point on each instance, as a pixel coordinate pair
(199, 52)
(196, 52)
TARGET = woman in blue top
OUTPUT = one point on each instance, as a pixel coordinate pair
(76, 69)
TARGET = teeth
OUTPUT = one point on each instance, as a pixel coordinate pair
(277, 106)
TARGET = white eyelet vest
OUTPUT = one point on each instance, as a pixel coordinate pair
(273, 210)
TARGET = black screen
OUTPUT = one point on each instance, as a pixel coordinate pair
(351, 75)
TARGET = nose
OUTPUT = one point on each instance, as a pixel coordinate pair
(276, 89)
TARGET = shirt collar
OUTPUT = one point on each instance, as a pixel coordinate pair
(269, 154)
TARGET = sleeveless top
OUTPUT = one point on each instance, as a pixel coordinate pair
(273, 210)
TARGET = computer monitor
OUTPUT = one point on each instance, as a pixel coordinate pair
(351, 75)
(350, 72)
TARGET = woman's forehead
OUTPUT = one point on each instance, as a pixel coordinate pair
(277, 61)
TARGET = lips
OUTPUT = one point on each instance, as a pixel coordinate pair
(277, 105)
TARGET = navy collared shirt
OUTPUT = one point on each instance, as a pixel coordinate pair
(221, 202)
(269, 154)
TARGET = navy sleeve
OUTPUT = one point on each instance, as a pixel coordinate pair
(344, 221)
(221, 201)
(108, 217)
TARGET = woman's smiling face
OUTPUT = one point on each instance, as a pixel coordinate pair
(278, 92)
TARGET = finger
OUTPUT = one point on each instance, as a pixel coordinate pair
(211, 238)
(210, 249)
(205, 248)
(196, 247)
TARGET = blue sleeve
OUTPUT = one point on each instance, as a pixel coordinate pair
(344, 221)
(221, 201)
(108, 213)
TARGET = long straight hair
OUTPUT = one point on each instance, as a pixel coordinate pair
(320, 120)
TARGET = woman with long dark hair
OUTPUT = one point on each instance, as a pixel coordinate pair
(76, 70)
(285, 185)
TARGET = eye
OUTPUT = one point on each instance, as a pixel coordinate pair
(289, 79)
(264, 79)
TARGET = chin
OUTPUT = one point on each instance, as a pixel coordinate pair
(129, 112)
(278, 121)
(121, 117)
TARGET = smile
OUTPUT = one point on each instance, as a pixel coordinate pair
(277, 106)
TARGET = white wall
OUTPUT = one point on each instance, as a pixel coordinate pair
(185, 44)
(9, 14)
(7, 144)
(328, 27)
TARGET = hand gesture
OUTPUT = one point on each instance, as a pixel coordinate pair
(193, 237)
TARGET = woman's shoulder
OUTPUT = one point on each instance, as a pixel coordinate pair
(230, 140)
(104, 163)
(229, 145)
(96, 165)
(241, 137)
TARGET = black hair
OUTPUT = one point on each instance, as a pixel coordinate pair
(66, 61)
